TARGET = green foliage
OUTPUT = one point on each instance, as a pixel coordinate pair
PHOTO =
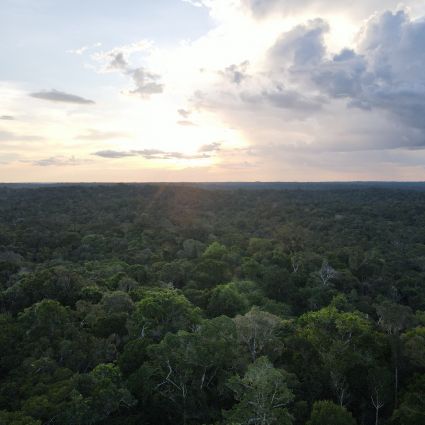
(16, 418)
(215, 251)
(227, 300)
(160, 312)
(258, 333)
(168, 305)
(190, 368)
(326, 412)
(262, 395)
(412, 404)
(414, 346)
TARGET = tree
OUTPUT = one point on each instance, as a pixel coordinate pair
(96, 396)
(342, 341)
(189, 367)
(327, 273)
(329, 413)
(379, 380)
(263, 395)
(117, 302)
(10, 336)
(414, 346)
(46, 319)
(215, 251)
(411, 410)
(56, 283)
(258, 332)
(225, 299)
(160, 312)
(16, 418)
(393, 318)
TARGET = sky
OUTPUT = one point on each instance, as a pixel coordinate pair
(212, 90)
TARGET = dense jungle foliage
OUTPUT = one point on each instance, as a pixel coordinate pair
(167, 304)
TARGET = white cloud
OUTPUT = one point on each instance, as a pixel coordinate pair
(84, 49)
(146, 82)
(358, 9)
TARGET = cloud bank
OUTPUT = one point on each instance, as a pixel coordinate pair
(306, 97)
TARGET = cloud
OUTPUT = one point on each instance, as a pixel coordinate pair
(384, 73)
(392, 45)
(56, 161)
(195, 3)
(7, 136)
(113, 154)
(58, 96)
(342, 76)
(304, 97)
(358, 9)
(83, 49)
(147, 83)
(236, 73)
(237, 165)
(93, 134)
(152, 154)
(290, 100)
(184, 113)
(211, 147)
(7, 117)
(118, 61)
(303, 46)
(279, 81)
(125, 51)
(186, 123)
(7, 158)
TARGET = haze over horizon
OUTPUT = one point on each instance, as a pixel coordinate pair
(212, 90)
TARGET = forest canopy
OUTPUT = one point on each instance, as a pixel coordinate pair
(178, 304)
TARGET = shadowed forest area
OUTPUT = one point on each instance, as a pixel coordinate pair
(177, 304)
